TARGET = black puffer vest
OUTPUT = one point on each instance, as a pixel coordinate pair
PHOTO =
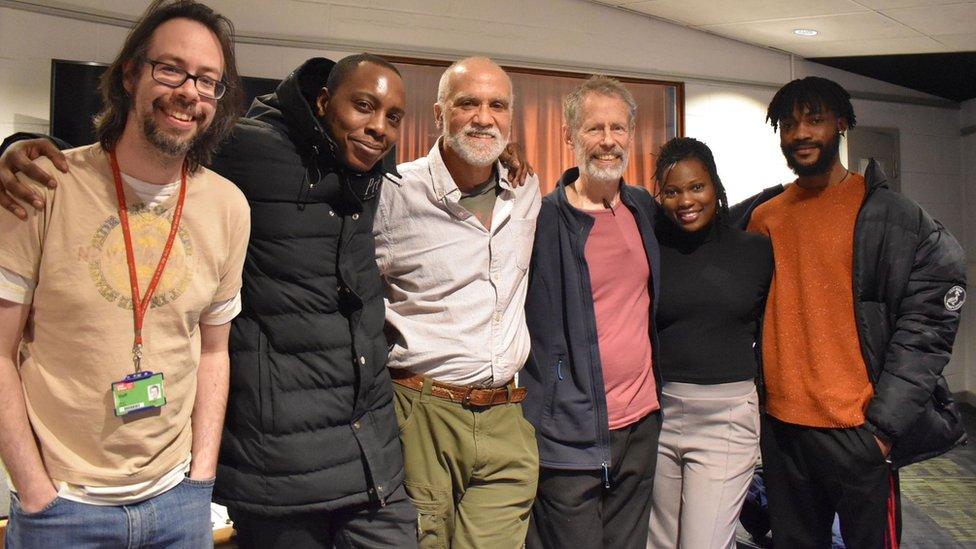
(310, 423)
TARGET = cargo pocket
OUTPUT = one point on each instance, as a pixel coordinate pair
(432, 505)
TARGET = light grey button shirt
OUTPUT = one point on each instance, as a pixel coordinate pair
(455, 291)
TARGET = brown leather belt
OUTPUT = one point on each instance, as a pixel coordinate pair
(468, 396)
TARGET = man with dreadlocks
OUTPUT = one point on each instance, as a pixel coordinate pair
(861, 316)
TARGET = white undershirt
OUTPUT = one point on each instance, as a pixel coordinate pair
(18, 289)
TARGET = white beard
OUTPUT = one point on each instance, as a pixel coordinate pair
(474, 150)
(588, 165)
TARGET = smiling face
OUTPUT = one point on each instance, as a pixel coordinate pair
(601, 140)
(364, 114)
(810, 141)
(170, 119)
(688, 195)
(475, 116)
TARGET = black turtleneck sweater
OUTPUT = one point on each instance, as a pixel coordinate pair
(713, 287)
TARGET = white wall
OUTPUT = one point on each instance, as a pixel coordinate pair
(728, 84)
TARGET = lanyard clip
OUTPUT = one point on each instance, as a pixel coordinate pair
(137, 356)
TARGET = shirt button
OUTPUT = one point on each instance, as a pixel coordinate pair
(362, 360)
(355, 216)
(356, 426)
(331, 213)
(495, 276)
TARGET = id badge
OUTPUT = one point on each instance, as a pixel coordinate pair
(138, 392)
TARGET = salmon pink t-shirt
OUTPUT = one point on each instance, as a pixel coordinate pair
(620, 280)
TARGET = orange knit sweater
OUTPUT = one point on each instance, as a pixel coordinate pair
(814, 371)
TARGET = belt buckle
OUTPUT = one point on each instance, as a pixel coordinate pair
(466, 399)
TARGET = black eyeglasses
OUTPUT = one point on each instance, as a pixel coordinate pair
(174, 77)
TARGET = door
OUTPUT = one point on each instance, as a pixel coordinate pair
(882, 144)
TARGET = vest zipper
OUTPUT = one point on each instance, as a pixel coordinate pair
(309, 183)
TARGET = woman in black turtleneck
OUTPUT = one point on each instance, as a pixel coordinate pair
(714, 280)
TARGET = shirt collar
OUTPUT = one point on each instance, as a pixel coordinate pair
(443, 182)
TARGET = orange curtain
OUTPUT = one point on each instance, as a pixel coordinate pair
(538, 120)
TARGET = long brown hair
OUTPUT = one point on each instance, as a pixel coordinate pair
(116, 102)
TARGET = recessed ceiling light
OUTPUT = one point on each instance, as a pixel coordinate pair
(805, 32)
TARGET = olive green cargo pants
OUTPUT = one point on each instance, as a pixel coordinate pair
(470, 471)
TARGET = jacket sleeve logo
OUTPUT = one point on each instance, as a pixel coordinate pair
(954, 298)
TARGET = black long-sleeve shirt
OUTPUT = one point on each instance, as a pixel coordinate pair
(713, 287)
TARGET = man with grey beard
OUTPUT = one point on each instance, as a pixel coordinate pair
(453, 243)
(590, 312)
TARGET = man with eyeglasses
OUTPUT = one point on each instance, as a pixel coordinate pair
(309, 455)
(116, 300)
(174, 77)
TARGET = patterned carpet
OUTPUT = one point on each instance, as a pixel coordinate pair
(938, 499)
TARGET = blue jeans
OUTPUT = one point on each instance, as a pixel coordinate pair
(178, 518)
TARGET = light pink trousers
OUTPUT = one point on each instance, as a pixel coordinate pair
(707, 452)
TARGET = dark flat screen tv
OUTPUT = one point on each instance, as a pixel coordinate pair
(75, 99)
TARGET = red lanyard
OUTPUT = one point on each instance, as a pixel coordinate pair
(140, 306)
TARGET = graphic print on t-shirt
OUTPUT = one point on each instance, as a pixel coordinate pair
(108, 267)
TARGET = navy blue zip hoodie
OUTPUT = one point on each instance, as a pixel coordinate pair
(567, 401)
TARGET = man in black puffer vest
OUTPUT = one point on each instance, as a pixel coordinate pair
(310, 455)
(310, 442)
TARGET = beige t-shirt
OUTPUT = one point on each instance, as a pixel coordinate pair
(78, 339)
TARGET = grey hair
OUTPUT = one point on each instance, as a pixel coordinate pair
(443, 87)
(600, 84)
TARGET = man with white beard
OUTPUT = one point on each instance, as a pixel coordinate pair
(453, 243)
(590, 312)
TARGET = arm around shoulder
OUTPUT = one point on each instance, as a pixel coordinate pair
(22, 240)
(20, 154)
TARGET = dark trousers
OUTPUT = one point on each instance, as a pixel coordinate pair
(813, 473)
(364, 527)
(575, 509)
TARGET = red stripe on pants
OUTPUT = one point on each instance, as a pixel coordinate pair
(891, 538)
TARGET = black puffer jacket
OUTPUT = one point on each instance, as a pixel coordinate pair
(909, 285)
(310, 422)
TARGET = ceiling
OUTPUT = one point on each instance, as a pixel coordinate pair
(872, 30)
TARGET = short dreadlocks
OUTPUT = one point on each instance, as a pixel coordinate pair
(813, 93)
